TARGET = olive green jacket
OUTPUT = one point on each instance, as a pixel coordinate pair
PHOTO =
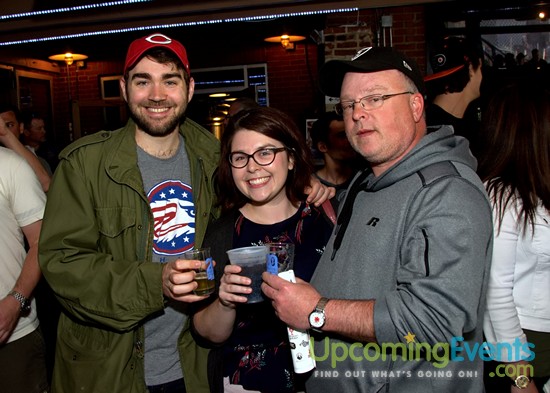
(95, 252)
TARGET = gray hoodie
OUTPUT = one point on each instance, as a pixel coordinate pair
(419, 242)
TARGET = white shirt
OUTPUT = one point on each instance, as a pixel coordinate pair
(519, 286)
(22, 203)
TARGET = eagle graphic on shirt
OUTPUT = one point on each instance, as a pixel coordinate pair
(174, 215)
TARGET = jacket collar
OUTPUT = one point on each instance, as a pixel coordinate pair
(121, 163)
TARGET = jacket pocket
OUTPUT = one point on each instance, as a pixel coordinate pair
(81, 353)
(540, 244)
(92, 360)
(112, 221)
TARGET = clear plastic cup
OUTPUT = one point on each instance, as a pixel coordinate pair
(252, 260)
(281, 257)
(204, 276)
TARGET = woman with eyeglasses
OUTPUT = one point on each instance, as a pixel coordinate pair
(265, 167)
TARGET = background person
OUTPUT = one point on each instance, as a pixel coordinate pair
(454, 85)
(239, 104)
(10, 138)
(265, 165)
(34, 138)
(409, 259)
(22, 349)
(535, 63)
(516, 169)
(341, 162)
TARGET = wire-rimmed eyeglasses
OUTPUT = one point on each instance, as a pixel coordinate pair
(368, 103)
(262, 157)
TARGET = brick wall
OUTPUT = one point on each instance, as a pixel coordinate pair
(292, 79)
(85, 88)
(292, 75)
(347, 33)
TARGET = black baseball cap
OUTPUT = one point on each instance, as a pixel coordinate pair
(451, 54)
(372, 59)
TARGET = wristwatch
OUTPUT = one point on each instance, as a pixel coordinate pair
(25, 303)
(317, 316)
(522, 381)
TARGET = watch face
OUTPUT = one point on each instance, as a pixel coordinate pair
(317, 319)
(522, 381)
(26, 305)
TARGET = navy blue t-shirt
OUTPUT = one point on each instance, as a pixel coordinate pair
(257, 355)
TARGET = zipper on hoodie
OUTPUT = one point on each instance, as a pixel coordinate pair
(426, 252)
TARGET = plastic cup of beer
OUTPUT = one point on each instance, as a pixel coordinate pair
(252, 260)
(204, 276)
(280, 258)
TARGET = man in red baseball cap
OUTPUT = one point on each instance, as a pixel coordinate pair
(123, 208)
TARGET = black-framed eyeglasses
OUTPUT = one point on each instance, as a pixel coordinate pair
(263, 157)
(368, 103)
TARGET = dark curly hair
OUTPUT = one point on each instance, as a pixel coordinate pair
(274, 124)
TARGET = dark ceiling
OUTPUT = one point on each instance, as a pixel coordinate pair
(195, 38)
(191, 21)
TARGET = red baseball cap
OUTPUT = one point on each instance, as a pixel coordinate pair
(140, 46)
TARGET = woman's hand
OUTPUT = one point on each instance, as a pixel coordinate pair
(532, 388)
(232, 285)
(522, 367)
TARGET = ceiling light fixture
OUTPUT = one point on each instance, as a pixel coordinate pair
(218, 95)
(286, 41)
(68, 57)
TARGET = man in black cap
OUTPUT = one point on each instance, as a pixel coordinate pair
(397, 299)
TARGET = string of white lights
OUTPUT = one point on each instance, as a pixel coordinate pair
(70, 9)
(173, 25)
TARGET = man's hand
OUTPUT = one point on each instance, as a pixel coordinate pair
(4, 130)
(317, 193)
(293, 302)
(9, 315)
(178, 280)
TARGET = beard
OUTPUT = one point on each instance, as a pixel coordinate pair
(155, 127)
